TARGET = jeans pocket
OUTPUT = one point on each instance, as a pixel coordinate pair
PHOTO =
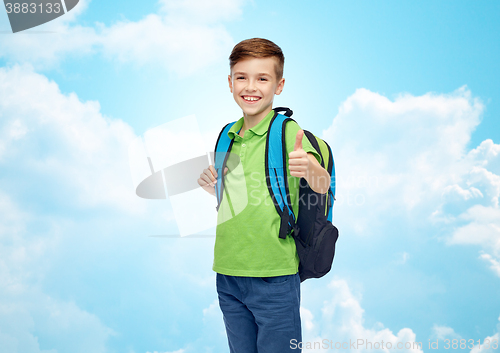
(276, 279)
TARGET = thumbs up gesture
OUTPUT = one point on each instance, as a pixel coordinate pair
(298, 162)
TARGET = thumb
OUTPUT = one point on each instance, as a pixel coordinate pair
(298, 140)
(225, 170)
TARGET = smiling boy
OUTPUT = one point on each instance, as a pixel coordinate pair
(257, 272)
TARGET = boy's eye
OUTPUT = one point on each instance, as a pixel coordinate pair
(263, 79)
(240, 78)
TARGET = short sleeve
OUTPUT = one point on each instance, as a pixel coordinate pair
(291, 130)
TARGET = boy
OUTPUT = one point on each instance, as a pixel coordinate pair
(257, 272)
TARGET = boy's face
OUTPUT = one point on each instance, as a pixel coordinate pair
(253, 83)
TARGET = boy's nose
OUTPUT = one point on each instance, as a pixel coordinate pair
(251, 86)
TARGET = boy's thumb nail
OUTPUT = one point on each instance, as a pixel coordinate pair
(298, 140)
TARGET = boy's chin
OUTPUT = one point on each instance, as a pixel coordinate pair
(250, 111)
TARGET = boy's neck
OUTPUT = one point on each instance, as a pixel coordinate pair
(250, 121)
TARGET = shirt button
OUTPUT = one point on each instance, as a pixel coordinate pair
(244, 145)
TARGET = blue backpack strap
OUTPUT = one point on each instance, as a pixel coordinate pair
(222, 149)
(276, 173)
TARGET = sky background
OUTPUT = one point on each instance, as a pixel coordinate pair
(406, 94)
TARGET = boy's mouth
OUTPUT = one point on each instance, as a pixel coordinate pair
(251, 99)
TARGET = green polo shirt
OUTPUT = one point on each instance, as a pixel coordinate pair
(247, 241)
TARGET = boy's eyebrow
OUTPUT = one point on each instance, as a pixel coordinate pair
(259, 74)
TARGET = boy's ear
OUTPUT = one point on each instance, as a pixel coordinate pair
(230, 83)
(280, 86)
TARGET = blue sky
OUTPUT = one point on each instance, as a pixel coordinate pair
(406, 93)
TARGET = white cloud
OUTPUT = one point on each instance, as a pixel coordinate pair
(408, 159)
(307, 320)
(342, 322)
(494, 264)
(456, 193)
(401, 154)
(31, 315)
(444, 332)
(398, 157)
(61, 161)
(479, 224)
(181, 47)
(52, 42)
(489, 344)
(486, 345)
(62, 145)
(26, 313)
(184, 37)
(483, 228)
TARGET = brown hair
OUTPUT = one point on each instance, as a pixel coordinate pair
(257, 48)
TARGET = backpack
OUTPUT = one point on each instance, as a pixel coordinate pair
(314, 234)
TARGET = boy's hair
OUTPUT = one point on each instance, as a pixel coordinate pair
(257, 48)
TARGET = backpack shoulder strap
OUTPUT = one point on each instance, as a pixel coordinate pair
(331, 167)
(222, 149)
(326, 154)
(275, 168)
(331, 170)
(314, 142)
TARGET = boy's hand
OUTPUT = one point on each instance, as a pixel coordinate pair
(298, 162)
(208, 179)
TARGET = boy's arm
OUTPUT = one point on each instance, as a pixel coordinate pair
(305, 165)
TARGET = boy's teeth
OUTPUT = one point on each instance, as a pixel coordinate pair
(251, 98)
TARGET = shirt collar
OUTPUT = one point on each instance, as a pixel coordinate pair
(259, 129)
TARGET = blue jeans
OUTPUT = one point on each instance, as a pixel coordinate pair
(261, 314)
